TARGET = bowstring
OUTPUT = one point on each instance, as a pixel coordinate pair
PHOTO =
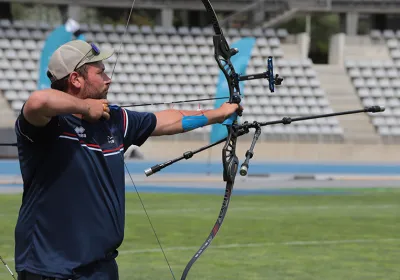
(123, 35)
(9, 270)
(126, 167)
(151, 224)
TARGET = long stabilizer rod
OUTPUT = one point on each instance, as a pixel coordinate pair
(244, 129)
(373, 109)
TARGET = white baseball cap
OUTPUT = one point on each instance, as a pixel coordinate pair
(72, 55)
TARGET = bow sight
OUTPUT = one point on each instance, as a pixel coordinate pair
(269, 74)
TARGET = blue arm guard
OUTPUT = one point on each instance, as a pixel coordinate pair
(193, 122)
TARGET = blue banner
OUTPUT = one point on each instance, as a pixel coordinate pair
(58, 37)
(240, 61)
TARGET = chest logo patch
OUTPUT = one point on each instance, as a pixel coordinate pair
(110, 139)
(80, 131)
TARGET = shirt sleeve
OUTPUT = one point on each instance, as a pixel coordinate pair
(137, 127)
(27, 132)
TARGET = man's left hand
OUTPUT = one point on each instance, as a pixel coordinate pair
(227, 109)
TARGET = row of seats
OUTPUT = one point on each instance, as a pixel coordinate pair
(23, 34)
(139, 53)
(356, 72)
(376, 82)
(29, 26)
(18, 64)
(20, 44)
(394, 49)
(392, 39)
(132, 37)
(167, 66)
(22, 75)
(299, 86)
(384, 34)
(167, 70)
(200, 40)
(371, 64)
(33, 25)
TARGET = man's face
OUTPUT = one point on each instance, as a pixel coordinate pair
(97, 83)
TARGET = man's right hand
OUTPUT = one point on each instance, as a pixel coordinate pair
(44, 104)
(97, 109)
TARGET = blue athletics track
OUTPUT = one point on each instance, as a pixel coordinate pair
(269, 178)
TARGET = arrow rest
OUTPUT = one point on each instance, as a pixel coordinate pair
(234, 51)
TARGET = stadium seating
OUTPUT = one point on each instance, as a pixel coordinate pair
(392, 39)
(377, 82)
(168, 64)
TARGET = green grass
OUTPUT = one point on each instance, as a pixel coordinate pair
(332, 237)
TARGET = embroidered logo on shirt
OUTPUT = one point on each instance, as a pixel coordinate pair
(80, 131)
(110, 139)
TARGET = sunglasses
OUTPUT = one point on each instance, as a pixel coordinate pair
(94, 51)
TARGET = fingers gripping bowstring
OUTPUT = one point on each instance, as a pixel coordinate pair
(126, 167)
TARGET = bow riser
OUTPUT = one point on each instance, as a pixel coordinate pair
(229, 159)
(222, 55)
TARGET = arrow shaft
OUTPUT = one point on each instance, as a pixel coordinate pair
(173, 102)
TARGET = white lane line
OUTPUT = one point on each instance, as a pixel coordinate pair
(251, 245)
(243, 209)
(281, 208)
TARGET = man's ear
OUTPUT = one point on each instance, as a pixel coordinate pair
(75, 80)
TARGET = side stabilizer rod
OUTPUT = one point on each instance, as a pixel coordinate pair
(187, 155)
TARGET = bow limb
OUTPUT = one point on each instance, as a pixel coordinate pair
(223, 54)
(214, 231)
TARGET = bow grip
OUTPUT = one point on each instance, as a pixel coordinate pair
(234, 99)
(231, 119)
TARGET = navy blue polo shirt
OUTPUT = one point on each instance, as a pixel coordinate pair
(73, 205)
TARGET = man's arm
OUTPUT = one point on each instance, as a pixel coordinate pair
(170, 122)
(42, 105)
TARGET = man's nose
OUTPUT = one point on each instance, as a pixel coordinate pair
(107, 80)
